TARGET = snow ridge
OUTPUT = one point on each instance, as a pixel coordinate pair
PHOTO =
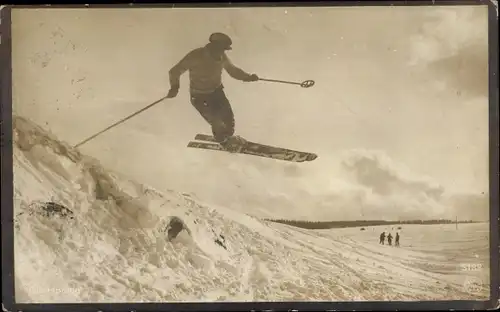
(86, 234)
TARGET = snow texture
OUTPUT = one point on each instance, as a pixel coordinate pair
(86, 234)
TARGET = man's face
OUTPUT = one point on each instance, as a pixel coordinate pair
(218, 48)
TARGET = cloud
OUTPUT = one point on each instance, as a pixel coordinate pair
(452, 46)
(376, 171)
(470, 206)
(371, 185)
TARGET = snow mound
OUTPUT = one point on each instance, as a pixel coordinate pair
(86, 234)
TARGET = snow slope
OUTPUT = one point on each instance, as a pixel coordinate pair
(113, 246)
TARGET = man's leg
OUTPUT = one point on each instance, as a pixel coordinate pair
(223, 117)
(201, 103)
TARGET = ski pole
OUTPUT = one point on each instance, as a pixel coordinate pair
(304, 84)
(119, 122)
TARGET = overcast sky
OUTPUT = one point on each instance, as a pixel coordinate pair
(409, 83)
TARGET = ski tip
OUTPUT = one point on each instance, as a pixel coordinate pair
(308, 157)
(312, 157)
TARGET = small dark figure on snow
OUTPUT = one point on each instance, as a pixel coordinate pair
(389, 239)
(382, 238)
(397, 240)
(205, 65)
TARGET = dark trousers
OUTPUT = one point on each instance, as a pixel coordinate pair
(216, 110)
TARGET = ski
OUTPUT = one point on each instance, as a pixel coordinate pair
(253, 148)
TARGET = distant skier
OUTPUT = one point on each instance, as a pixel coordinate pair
(389, 239)
(382, 238)
(205, 65)
(396, 243)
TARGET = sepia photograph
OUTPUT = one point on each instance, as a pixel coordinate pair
(251, 154)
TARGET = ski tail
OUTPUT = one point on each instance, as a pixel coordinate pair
(205, 137)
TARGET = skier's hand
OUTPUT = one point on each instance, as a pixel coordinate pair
(172, 93)
(253, 77)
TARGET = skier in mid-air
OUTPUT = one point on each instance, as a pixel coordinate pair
(205, 65)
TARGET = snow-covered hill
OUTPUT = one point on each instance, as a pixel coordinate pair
(104, 238)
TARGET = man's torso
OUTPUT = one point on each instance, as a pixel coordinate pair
(205, 72)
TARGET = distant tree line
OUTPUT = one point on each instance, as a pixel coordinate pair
(357, 223)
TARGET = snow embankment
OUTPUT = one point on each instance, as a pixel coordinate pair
(85, 234)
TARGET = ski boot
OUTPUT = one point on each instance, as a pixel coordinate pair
(233, 144)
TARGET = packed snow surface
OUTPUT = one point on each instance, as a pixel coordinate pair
(111, 245)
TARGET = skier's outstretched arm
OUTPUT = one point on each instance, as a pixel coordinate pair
(238, 73)
(176, 72)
